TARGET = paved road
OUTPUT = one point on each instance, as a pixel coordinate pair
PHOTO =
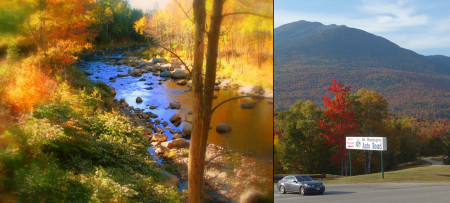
(410, 193)
(433, 162)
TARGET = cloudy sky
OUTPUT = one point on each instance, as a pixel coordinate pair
(418, 25)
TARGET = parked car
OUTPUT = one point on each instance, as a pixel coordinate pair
(302, 184)
(446, 160)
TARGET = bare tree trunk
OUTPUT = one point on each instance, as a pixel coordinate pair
(195, 169)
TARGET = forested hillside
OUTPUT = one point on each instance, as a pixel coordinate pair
(308, 55)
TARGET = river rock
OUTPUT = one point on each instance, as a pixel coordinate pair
(160, 150)
(174, 105)
(176, 136)
(157, 137)
(178, 74)
(175, 118)
(248, 105)
(252, 196)
(158, 60)
(169, 179)
(216, 88)
(152, 115)
(165, 123)
(165, 74)
(251, 90)
(142, 79)
(177, 143)
(187, 129)
(223, 128)
(225, 83)
(165, 67)
(153, 107)
(181, 82)
(157, 73)
(122, 75)
(88, 73)
(138, 100)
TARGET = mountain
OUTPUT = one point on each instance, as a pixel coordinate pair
(309, 54)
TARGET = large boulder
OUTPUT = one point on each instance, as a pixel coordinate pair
(165, 74)
(178, 74)
(174, 105)
(165, 67)
(177, 143)
(175, 118)
(157, 137)
(251, 90)
(223, 128)
(187, 129)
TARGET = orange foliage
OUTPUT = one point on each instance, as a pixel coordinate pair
(30, 87)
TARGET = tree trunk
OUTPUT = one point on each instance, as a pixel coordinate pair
(195, 171)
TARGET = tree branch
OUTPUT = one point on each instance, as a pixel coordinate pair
(176, 56)
(238, 97)
(246, 12)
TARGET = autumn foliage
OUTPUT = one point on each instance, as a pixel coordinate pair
(340, 119)
(29, 87)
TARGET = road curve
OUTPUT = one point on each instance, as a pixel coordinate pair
(433, 162)
(410, 192)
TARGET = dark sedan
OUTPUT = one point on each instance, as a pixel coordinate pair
(300, 183)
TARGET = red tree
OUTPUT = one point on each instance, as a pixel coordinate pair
(341, 122)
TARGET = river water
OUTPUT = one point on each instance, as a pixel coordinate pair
(252, 129)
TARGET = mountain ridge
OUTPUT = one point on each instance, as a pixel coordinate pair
(309, 54)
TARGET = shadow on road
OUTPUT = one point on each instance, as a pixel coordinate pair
(337, 192)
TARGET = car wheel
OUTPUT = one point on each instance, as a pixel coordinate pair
(302, 191)
(282, 191)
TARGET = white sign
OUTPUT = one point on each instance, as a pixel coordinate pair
(366, 143)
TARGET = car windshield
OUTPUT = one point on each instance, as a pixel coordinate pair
(304, 178)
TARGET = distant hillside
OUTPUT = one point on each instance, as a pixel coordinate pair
(309, 54)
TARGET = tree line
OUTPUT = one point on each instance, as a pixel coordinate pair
(312, 140)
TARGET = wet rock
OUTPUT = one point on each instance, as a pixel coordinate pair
(157, 121)
(175, 118)
(178, 74)
(248, 105)
(152, 115)
(252, 196)
(157, 73)
(178, 143)
(157, 137)
(223, 128)
(149, 88)
(122, 75)
(165, 123)
(181, 82)
(153, 107)
(187, 129)
(174, 105)
(138, 100)
(251, 90)
(88, 73)
(225, 83)
(142, 79)
(165, 74)
(176, 136)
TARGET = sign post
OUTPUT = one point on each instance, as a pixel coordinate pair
(366, 143)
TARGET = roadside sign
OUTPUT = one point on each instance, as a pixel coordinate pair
(366, 143)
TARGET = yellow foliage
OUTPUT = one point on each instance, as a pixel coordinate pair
(30, 86)
(140, 24)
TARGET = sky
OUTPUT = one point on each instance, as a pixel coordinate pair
(148, 4)
(420, 25)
